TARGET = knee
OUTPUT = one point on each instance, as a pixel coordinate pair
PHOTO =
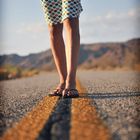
(72, 26)
(55, 30)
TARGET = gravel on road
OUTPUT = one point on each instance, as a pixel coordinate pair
(18, 96)
(116, 96)
(113, 97)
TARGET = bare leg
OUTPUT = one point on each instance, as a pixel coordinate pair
(72, 49)
(58, 51)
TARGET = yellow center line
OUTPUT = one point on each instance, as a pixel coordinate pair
(29, 126)
(85, 123)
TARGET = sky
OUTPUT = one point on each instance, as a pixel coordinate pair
(23, 29)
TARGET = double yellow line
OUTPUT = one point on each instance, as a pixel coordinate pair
(30, 125)
(85, 123)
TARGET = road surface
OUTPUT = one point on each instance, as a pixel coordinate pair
(108, 107)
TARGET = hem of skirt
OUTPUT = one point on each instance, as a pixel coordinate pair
(68, 16)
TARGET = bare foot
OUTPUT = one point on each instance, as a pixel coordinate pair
(70, 90)
(70, 93)
(58, 90)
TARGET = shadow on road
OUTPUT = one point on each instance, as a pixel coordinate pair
(58, 125)
(109, 95)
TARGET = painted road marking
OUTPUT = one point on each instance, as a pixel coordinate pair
(33, 122)
(86, 125)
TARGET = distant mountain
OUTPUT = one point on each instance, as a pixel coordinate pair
(111, 55)
(97, 55)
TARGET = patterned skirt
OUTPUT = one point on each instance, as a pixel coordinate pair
(55, 11)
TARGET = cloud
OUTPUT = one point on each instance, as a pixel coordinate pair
(134, 13)
(35, 27)
(111, 26)
(25, 38)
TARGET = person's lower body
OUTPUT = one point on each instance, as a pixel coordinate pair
(66, 58)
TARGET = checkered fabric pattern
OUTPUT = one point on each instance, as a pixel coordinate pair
(56, 11)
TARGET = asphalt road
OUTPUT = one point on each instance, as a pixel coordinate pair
(114, 95)
(20, 95)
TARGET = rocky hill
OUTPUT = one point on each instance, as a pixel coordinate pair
(98, 55)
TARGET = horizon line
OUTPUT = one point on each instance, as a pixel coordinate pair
(98, 42)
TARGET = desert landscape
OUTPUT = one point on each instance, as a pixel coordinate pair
(108, 81)
(97, 56)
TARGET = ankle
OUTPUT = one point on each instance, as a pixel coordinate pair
(70, 80)
(70, 84)
(61, 85)
(62, 81)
